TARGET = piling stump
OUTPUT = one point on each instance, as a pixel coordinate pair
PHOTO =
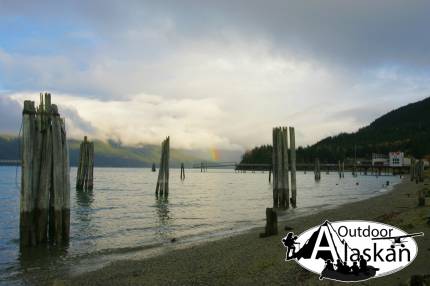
(162, 188)
(271, 223)
(182, 172)
(84, 177)
(45, 184)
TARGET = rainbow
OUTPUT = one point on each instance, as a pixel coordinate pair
(214, 154)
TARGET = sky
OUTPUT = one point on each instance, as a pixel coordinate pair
(213, 74)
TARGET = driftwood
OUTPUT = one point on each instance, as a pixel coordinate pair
(45, 184)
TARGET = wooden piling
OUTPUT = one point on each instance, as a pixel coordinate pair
(293, 167)
(271, 223)
(280, 168)
(343, 169)
(162, 188)
(84, 177)
(28, 192)
(45, 180)
(420, 171)
(317, 170)
(412, 170)
(275, 154)
(65, 212)
(153, 169)
(182, 172)
(45, 189)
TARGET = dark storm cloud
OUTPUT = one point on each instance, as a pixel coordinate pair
(366, 32)
(10, 115)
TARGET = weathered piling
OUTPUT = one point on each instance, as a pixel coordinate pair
(153, 169)
(343, 169)
(412, 169)
(45, 185)
(354, 170)
(280, 168)
(182, 172)
(84, 177)
(317, 170)
(293, 166)
(271, 223)
(419, 171)
(162, 188)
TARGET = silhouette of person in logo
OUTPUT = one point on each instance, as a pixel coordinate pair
(289, 242)
(329, 265)
(363, 264)
(355, 269)
(339, 265)
(346, 268)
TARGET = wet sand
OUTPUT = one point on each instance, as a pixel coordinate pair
(246, 259)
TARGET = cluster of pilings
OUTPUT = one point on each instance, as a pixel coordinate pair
(162, 188)
(317, 170)
(281, 166)
(84, 177)
(203, 167)
(417, 170)
(45, 183)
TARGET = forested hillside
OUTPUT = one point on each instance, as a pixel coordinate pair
(405, 129)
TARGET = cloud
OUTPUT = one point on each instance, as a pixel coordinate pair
(143, 119)
(216, 73)
(10, 115)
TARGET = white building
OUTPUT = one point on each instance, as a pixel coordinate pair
(379, 159)
(396, 159)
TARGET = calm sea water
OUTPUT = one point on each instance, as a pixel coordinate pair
(121, 218)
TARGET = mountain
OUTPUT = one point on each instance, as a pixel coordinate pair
(9, 147)
(404, 129)
(107, 154)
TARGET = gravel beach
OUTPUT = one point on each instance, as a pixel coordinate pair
(246, 259)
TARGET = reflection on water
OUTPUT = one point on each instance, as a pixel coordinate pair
(162, 210)
(84, 198)
(123, 214)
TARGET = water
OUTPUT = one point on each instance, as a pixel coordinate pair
(121, 218)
